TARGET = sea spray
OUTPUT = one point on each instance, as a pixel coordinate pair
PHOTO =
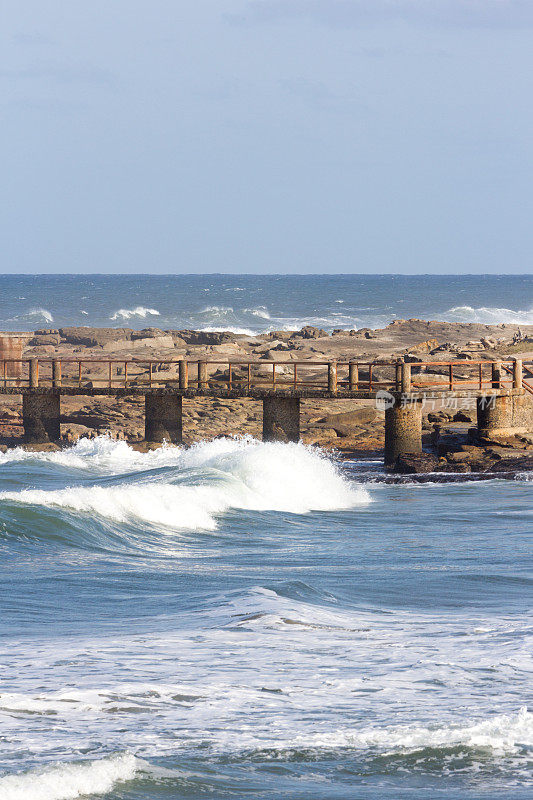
(207, 480)
(69, 781)
(129, 313)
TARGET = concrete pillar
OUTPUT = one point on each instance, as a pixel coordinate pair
(11, 346)
(494, 416)
(353, 376)
(281, 419)
(202, 375)
(184, 374)
(40, 417)
(517, 374)
(56, 373)
(406, 378)
(496, 374)
(398, 377)
(403, 430)
(34, 373)
(332, 377)
(163, 418)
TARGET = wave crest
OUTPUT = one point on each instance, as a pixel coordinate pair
(71, 780)
(487, 315)
(209, 479)
(138, 311)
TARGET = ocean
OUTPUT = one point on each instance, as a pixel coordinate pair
(259, 303)
(246, 619)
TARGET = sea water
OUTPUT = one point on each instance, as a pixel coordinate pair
(245, 619)
(259, 303)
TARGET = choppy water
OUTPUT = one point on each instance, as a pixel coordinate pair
(258, 303)
(248, 619)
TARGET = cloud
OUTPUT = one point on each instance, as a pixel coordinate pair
(359, 13)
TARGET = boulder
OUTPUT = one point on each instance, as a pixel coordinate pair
(205, 337)
(309, 332)
(416, 463)
(94, 337)
(346, 422)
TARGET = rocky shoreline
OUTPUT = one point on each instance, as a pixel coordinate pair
(350, 427)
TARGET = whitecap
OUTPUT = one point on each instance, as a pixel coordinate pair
(240, 473)
(503, 733)
(138, 311)
(487, 315)
(71, 780)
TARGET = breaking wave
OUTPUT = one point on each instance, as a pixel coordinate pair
(487, 315)
(503, 733)
(70, 780)
(33, 316)
(139, 311)
(199, 484)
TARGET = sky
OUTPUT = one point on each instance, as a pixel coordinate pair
(258, 136)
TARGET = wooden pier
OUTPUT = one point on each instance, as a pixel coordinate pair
(502, 390)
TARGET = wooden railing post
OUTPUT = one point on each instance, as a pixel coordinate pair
(398, 376)
(496, 374)
(406, 378)
(332, 376)
(184, 374)
(353, 376)
(517, 373)
(34, 373)
(56, 373)
(202, 374)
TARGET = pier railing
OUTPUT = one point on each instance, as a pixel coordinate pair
(328, 376)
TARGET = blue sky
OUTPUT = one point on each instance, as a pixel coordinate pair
(266, 136)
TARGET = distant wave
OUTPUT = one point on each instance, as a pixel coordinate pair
(260, 311)
(486, 315)
(228, 329)
(69, 780)
(231, 474)
(33, 316)
(139, 311)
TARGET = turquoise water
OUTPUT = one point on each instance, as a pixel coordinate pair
(258, 620)
(258, 303)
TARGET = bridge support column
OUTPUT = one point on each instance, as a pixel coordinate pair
(495, 416)
(40, 417)
(163, 418)
(403, 430)
(281, 419)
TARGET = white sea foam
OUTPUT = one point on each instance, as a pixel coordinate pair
(260, 311)
(228, 474)
(503, 733)
(69, 780)
(487, 315)
(138, 311)
(228, 329)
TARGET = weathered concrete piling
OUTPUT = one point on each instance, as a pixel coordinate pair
(163, 418)
(281, 419)
(403, 430)
(41, 418)
(11, 347)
